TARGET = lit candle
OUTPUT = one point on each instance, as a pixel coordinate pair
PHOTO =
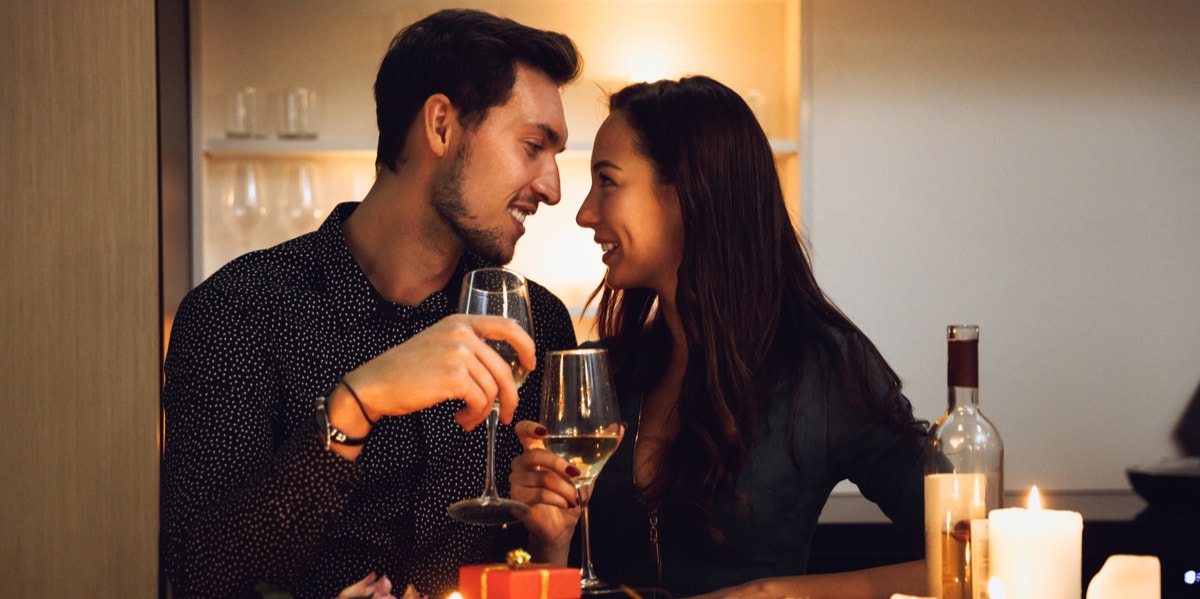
(1036, 553)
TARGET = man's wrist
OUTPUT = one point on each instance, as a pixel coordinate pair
(340, 422)
(344, 413)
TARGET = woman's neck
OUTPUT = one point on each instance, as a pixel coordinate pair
(658, 418)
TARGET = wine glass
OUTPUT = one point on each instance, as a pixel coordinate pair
(497, 292)
(244, 203)
(301, 203)
(579, 412)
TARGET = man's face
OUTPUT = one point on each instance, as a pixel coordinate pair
(504, 168)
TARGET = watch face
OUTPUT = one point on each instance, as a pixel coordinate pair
(323, 430)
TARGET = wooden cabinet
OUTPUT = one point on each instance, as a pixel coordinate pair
(334, 50)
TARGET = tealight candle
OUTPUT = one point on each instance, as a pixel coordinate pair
(1036, 553)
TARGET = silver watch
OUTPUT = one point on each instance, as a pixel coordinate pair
(330, 433)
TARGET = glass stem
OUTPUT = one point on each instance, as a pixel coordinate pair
(489, 484)
(586, 573)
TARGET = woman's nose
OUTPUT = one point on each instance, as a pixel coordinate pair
(587, 216)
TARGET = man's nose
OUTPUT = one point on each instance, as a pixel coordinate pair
(547, 185)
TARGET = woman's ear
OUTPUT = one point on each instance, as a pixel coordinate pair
(438, 119)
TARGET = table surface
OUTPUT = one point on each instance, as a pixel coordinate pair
(854, 534)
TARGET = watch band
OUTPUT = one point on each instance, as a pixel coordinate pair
(330, 433)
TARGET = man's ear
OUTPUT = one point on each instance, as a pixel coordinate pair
(439, 121)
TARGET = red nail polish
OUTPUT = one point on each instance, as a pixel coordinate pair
(572, 471)
(540, 431)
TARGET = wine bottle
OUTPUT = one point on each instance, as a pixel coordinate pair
(964, 477)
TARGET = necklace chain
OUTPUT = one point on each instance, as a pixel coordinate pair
(653, 512)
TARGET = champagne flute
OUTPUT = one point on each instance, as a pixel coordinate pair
(579, 412)
(497, 292)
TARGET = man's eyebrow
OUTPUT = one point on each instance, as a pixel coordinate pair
(550, 133)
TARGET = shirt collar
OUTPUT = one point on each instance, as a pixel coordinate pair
(350, 289)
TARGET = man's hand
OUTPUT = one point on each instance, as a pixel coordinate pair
(446, 361)
(449, 360)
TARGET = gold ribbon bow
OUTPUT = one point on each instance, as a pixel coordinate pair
(515, 560)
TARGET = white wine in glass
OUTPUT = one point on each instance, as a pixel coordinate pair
(496, 292)
(579, 412)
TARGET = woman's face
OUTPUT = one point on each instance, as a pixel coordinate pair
(637, 220)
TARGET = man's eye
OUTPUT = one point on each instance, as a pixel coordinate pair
(532, 148)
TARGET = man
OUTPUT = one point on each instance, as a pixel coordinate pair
(321, 397)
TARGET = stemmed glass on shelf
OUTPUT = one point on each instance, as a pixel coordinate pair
(244, 205)
(579, 413)
(497, 292)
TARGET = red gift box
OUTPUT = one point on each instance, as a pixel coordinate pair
(529, 581)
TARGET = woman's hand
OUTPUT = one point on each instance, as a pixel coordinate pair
(542, 480)
(372, 587)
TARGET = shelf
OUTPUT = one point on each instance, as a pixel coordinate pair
(288, 148)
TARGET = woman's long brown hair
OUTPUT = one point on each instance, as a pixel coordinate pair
(746, 295)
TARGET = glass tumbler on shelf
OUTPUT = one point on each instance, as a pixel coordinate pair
(498, 292)
(297, 114)
(579, 412)
(964, 477)
(243, 118)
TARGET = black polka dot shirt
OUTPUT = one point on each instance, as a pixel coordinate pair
(250, 495)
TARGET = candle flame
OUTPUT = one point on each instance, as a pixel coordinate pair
(454, 595)
(1035, 500)
(995, 588)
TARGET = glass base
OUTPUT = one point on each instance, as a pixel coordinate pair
(488, 511)
(595, 586)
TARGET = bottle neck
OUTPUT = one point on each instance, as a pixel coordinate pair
(963, 397)
(962, 372)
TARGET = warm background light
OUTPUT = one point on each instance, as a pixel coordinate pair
(995, 588)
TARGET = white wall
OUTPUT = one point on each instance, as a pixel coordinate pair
(1032, 167)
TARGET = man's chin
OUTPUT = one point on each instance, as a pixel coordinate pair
(494, 255)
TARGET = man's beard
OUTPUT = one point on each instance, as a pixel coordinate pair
(450, 205)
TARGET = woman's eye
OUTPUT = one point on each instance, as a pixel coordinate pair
(605, 181)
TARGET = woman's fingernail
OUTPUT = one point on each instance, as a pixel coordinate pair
(572, 471)
(540, 431)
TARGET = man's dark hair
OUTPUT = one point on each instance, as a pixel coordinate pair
(468, 55)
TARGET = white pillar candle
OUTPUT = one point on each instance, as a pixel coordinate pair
(1036, 553)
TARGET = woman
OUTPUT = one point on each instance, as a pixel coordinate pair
(748, 395)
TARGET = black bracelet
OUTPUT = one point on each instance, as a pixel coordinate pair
(356, 400)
